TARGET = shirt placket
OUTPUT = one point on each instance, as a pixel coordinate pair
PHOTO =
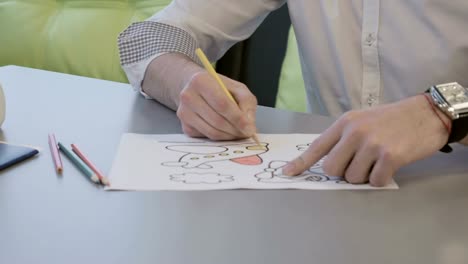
(370, 93)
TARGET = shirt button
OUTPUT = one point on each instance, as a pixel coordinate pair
(370, 39)
(371, 99)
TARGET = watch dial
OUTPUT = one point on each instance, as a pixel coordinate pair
(455, 94)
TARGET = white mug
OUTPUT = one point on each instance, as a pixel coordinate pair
(2, 106)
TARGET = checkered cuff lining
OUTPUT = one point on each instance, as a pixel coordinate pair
(141, 40)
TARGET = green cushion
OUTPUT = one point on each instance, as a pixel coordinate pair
(71, 36)
(291, 91)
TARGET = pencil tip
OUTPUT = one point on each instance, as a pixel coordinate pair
(95, 178)
(105, 181)
(255, 138)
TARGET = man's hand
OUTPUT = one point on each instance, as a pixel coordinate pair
(202, 106)
(371, 145)
(206, 111)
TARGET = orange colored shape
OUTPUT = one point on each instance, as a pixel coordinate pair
(250, 160)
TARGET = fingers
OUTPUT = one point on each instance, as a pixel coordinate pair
(216, 98)
(205, 109)
(360, 167)
(194, 125)
(246, 100)
(191, 132)
(340, 156)
(358, 159)
(248, 105)
(319, 148)
(198, 105)
(383, 170)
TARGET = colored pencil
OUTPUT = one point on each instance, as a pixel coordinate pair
(88, 162)
(79, 164)
(206, 63)
(55, 153)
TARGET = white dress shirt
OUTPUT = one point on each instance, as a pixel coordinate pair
(354, 53)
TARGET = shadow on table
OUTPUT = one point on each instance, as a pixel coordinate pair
(151, 117)
(442, 174)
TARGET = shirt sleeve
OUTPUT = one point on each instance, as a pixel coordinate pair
(185, 25)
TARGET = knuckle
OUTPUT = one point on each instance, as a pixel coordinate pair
(248, 97)
(357, 133)
(349, 117)
(389, 158)
(221, 106)
(254, 100)
(218, 122)
(199, 83)
(197, 80)
(373, 145)
(181, 113)
(387, 155)
(238, 120)
(354, 178)
(299, 163)
(185, 97)
(243, 91)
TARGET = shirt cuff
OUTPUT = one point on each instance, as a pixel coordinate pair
(142, 42)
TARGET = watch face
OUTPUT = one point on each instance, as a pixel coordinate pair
(454, 94)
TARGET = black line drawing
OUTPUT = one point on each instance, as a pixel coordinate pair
(273, 174)
(185, 142)
(303, 147)
(201, 156)
(201, 178)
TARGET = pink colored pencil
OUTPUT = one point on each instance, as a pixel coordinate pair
(55, 153)
(99, 174)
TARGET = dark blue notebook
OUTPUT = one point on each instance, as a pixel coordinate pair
(12, 154)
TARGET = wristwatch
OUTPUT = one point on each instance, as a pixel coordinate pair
(452, 99)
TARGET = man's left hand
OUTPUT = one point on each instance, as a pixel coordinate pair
(371, 145)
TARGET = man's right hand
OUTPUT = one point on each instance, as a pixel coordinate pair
(202, 106)
(206, 111)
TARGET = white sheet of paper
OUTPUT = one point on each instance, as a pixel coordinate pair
(177, 162)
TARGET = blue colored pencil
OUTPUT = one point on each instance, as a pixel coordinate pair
(79, 164)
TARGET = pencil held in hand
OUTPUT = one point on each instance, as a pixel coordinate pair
(206, 63)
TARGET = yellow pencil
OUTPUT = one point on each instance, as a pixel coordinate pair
(204, 60)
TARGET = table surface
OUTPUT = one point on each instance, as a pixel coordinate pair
(46, 218)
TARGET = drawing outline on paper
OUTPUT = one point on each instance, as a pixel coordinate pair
(201, 178)
(164, 162)
(303, 147)
(273, 174)
(200, 156)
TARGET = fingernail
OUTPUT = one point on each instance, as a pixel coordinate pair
(289, 169)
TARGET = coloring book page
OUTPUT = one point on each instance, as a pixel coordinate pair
(178, 162)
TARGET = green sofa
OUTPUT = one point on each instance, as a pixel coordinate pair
(74, 36)
(79, 37)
